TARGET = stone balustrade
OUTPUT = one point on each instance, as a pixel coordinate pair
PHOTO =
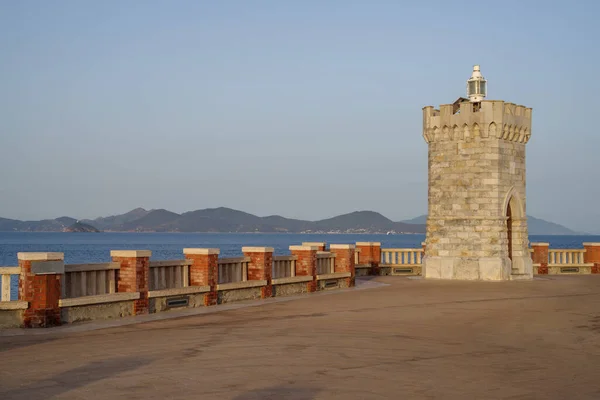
(5, 276)
(89, 279)
(545, 260)
(52, 293)
(233, 270)
(284, 266)
(325, 262)
(169, 274)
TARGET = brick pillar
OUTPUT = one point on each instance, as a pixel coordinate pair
(320, 245)
(204, 271)
(540, 256)
(592, 255)
(306, 264)
(39, 285)
(370, 254)
(260, 267)
(134, 275)
(344, 260)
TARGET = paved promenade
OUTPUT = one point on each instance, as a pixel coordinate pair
(409, 339)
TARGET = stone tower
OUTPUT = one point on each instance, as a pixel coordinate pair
(477, 224)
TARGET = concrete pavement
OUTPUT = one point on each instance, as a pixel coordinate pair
(410, 339)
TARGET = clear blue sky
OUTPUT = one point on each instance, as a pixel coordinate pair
(306, 109)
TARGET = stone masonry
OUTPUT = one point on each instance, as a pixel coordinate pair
(477, 191)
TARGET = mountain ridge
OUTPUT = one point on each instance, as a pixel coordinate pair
(536, 226)
(223, 220)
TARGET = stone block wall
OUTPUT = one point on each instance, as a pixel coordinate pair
(476, 169)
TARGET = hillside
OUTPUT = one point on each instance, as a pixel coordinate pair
(368, 221)
(536, 226)
(151, 221)
(45, 225)
(81, 228)
(104, 223)
(224, 219)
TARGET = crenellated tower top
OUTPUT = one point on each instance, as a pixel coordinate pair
(475, 118)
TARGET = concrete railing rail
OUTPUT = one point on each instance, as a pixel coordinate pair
(233, 270)
(395, 257)
(325, 263)
(5, 274)
(82, 280)
(169, 274)
(568, 261)
(284, 266)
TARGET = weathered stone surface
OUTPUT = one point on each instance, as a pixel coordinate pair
(289, 289)
(339, 283)
(11, 318)
(228, 296)
(96, 312)
(363, 270)
(159, 304)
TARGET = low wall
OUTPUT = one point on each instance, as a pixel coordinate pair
(291, 286)
(89, 308)
(570, 270)
(11, 316)
(240, 291)
(132, 284)
(176, 299)
(336, 280)
(117, 309)
(385, 270)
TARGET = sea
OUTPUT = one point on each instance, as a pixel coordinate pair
(82, 248)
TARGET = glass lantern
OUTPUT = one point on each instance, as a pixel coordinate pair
(476, 86)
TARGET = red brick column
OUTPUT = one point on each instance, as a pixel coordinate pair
(321, 246)
(370, 254)
(39, 285)
(540, 256)
(344, 260)
(134, 275)
(204, 271)
(260, 267)
(592, 255)
(306, 264)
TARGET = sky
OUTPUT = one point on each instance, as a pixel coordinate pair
(306, 109)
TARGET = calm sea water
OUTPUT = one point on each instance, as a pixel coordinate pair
(95, 247)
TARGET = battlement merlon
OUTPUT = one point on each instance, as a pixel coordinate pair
(502, 119)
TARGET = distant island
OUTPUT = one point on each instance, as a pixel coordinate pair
(80, 227)
(227, 220)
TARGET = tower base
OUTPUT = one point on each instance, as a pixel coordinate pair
(477, 269)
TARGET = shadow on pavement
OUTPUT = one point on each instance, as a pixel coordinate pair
(75, 378)
(280, 392)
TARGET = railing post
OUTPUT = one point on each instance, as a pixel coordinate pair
(306, 264)
(370, 254)
(204, 271)
(320, 245)
(423, 245)
(260, 267)
(134, 276)
(592, 255)
(540, 256)
(5, 288)
(39, 285)
(344, 260)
